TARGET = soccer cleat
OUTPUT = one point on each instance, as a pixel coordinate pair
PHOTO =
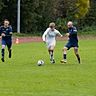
(2, 59)
(52, 61)
(63, 61)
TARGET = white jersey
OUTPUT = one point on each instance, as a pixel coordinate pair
(49, 36)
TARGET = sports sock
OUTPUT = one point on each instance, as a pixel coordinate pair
(51, 55)
(64, 56)
(9, 53)
(3, 53)
(78, 57)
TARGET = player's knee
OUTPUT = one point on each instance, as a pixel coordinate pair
(3, 46)
(64, 49)
(52, 47)
(76, 51)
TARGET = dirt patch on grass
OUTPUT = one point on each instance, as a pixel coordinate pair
(39, 39)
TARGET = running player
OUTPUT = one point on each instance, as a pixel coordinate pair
(49, 37)
(6, 35)
(72, 42)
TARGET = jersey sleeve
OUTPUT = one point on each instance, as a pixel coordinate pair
(73, 31)
(0, 31)
(11, 30)
(57, 32)
(45, 33)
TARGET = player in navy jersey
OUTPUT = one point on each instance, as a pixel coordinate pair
(72, 42)
(6, 35)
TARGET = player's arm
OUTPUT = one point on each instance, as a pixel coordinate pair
(44, 35)
(58, 33)
(0, 33)
(74, 31)
(67, 34)
(3, 34)
(11, 31)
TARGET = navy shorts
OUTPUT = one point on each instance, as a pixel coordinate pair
(71, 44)
(7, 42)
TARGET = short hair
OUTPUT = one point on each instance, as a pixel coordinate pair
(6, 20)
(52, 24)
(70, 23)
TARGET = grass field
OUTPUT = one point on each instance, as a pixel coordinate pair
(20, 76)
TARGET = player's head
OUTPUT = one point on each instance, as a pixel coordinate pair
(6, 22)
(52, 25)
(70, 24)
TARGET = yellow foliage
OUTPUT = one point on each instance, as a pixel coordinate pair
(83, 7)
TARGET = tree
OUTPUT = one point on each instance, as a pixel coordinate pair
(1, 5)
(8, 11)
(90, 18)
(36, 14)
(71, 10)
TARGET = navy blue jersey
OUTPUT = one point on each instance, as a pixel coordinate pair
(6, 31)
(73, 34)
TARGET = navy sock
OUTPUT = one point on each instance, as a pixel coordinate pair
(3, 53)
(10, 53)
(78, 57)
(64, 56)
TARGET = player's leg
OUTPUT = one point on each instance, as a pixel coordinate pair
(51, 53)
(77, 54)
(51, 46)
(3, 50)
(10, 52)
(67, 47)
(9, 45)
(64, 55)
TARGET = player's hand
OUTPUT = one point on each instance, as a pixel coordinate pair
(61, 36)
(67, 34)
(0, 37)
(3, 35)
(10, 33)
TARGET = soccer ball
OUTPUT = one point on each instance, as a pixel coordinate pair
(40, 62)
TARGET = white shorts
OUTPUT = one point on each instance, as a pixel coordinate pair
(51, 44)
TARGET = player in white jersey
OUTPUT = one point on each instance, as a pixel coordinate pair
(49, 37)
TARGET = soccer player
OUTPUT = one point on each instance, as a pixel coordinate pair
(49, 37)
(72, 42)
(6, 35)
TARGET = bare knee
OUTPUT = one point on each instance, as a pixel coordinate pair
(51, 48)
(3, 46)
(76, 50)
(65, 50)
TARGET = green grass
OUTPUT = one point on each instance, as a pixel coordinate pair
(20, 76)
